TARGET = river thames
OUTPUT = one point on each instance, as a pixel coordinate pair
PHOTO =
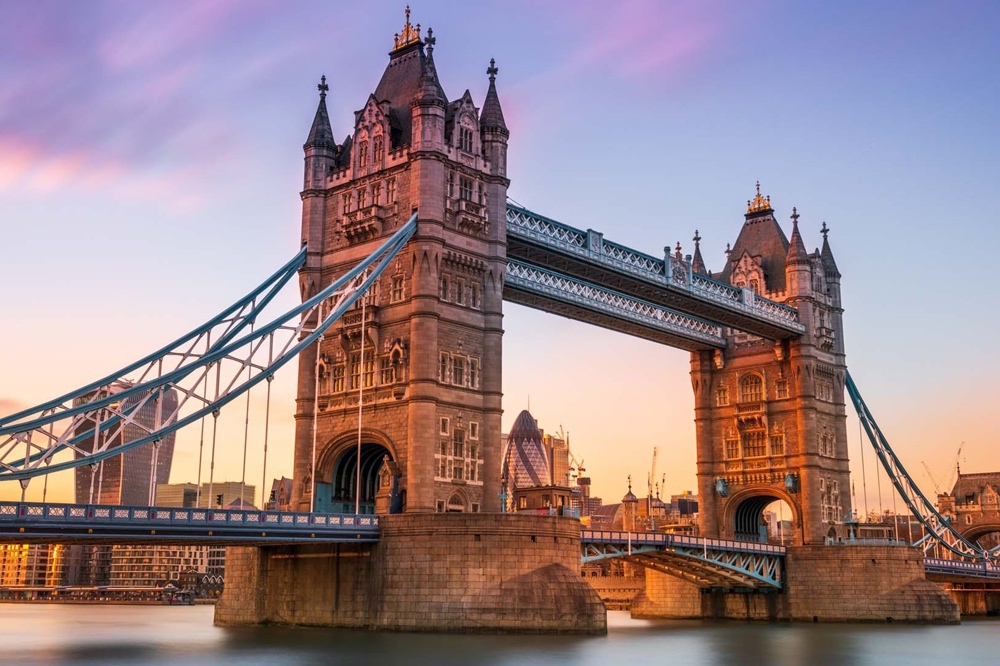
(79, 634)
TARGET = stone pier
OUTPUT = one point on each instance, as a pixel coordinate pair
(822, 584)
(481, 573)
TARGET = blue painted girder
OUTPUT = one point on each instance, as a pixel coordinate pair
(27, 522)
(704, 562)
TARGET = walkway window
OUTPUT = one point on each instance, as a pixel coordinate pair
(751, 388)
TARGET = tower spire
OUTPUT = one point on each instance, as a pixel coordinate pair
(796, 248)
(491, 117)
(320, 135)
(697, 263)
(430, 87)
(827, 255)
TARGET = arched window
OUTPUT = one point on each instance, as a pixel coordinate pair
(456, 504)
(751, 388)
(377, 148)
(363, 154)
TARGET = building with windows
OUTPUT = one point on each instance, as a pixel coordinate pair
(535, 472)
(130, 478)
(31, 565)
(155, 565)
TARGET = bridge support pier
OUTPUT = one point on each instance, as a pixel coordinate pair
(480, 573)
(822, 584)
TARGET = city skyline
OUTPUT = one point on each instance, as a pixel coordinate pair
(179, 145)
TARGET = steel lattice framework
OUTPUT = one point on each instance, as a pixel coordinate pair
(577, 299)
(940, 531)
(209, 368)
(541, 242)
(704, 562)
(28, 522)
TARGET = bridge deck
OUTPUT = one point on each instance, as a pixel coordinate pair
(585, 255)
(28, 522)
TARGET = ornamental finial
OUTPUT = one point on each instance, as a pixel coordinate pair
(728, 251)
(795, 217)
(696, 239)
(322, 87)
(430, 41)
(492, 70)
(824, 230)
(408, 36)
(759, 203)
(677, 250)
(630, 483)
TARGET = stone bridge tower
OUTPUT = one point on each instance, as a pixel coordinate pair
(770, 418)
(427, 369)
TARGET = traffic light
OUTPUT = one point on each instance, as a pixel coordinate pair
(218, 500)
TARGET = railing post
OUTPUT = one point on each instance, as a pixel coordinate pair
(595, 242)
(668, 269)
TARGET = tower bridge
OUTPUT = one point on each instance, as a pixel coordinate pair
(410, 247)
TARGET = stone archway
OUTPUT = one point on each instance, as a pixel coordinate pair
(338, 481)
(986, 535)
(744, 514)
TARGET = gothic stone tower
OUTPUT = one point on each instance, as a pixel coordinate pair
(770, 417)
(427, 368)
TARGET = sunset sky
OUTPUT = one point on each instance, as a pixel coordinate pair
(151, 159)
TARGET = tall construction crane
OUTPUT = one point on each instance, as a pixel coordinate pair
(946, 487)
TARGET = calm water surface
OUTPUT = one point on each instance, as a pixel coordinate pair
(57, 634)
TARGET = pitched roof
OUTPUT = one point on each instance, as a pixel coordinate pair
(761, 236)
(401, 81)
(972, 485)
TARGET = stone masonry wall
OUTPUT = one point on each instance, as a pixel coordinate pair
(863, 583)
(822, 583)
(667, 596)
(438, 572)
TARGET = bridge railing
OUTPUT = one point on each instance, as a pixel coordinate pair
(592, 246)
(101, 514)
(677, 540)
(977, 569)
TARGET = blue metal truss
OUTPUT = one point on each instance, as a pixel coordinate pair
(541, 242)
(704, 562)
(26, 522)
(559, 294)
(31, 441)
(940, 531)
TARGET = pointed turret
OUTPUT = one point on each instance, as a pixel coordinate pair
(320, 135)
(697, 263)
(492, 116)
(430, 91)
(796, 248)
(493, 130)
(827, 255)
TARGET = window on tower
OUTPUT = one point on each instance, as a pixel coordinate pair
(390, 191)
(465, 189)
(363, 154)
(751, 388)
(465, 142)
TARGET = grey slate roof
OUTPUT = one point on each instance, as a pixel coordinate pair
(761, 236)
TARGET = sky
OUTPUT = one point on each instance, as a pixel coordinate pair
(150, 164)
